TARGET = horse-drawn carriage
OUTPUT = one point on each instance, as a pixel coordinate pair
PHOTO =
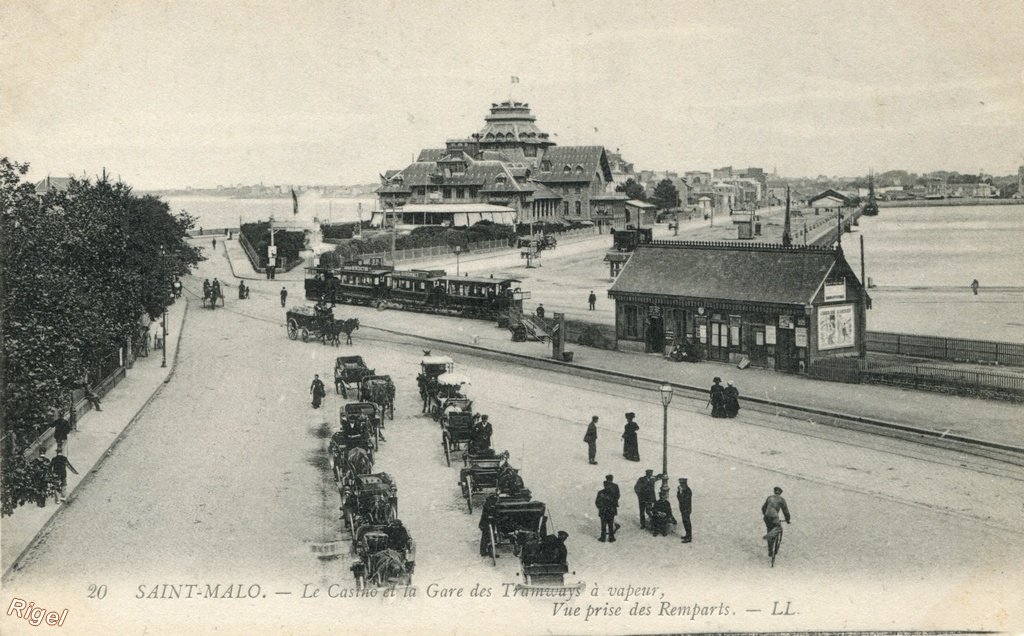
(488, 473)
(310, 323)
(351, 450)
(456, 432)
(349, 372)
(366, 416)
(386, 555)
(508, 518)
(213, 297)
(369, 499)
(380, 390)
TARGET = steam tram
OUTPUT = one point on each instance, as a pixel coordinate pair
(431, 291)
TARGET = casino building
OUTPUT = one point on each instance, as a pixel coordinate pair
(509, 171)
(782, 308)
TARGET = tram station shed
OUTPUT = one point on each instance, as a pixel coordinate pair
(781, 308)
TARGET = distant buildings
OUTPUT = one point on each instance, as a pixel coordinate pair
(49, 184)
(509, 164)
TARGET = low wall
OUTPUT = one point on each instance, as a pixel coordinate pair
(927, 203)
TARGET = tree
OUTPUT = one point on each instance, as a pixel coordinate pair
(632, 189)
(77, 267)
(666, 195)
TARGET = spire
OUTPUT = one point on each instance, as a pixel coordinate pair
(787, 240)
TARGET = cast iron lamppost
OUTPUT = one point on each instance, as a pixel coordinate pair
(666, 398)
(457, 250)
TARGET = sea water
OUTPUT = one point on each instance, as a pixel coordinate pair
(219, 212)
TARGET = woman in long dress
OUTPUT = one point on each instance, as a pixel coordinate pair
(630, 448)
(732, 400)
(717, 398)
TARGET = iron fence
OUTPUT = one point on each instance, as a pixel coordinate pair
(954, 381)
(952, 349)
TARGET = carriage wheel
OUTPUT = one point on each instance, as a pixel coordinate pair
(391, 410)
(494, 548)
(469, 493)
(447, 451)
(305, 334)
(293, 329)
(348, 522)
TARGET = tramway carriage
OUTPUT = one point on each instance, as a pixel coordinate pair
(351, 283)
(507, 520)
(349, 372)
(369, 416)
(369, 499)
(488, 473)
(479, 297)
(386, 555)
(380, 390)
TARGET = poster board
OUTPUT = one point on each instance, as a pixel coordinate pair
(836, 327)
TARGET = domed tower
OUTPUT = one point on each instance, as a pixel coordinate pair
(510, 128)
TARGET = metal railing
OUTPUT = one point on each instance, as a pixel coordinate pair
(952, 349)
(956, 381)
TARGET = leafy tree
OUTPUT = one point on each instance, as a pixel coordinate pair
(633, 190)
(77, 267)
(666, 195)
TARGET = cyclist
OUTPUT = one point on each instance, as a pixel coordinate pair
(770, 510)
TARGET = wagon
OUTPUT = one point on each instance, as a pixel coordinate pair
(344, 462)
(456, 433)
(380, 390)
(542, 560)
(510, 517)
(349, 372)
(369, 499)
(490, 474)
(386, 555)
(373, 418)
(304, 322)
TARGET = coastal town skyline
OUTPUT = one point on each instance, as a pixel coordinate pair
(171, 98)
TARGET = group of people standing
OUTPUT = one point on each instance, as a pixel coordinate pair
(655, 510)
(724, 400)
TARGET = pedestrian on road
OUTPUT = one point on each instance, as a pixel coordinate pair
(592, 299)
(661, 514)
(630, 445)
(607, 503)
(974, 286)
(685, 498)
(732, 400)
(215, 242)
(591, 439)
(284, 295)
(61, 429)
(540, 310)
(91, 396)
(717, 398)
(60, 466)
(610, 479)
(770, 512)
(318, 391)
(645, 495)
(42, 476)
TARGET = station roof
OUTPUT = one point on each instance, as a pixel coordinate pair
(720, 271)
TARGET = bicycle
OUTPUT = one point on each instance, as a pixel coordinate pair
(774, 543)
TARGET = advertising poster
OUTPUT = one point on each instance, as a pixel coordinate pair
(835, 327)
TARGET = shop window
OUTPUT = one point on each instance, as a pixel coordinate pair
(565, 208)
(579, 208)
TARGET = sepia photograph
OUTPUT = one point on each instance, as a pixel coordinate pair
(571, 317)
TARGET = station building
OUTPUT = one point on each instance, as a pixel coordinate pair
(781, 308)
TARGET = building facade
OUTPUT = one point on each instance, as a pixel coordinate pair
(510, 162)
(781, 308)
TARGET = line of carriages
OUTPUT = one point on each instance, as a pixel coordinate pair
(511, 520)
(385, 552)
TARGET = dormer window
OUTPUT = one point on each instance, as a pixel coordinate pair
(545, 166)
(579, 169)
(566, 169)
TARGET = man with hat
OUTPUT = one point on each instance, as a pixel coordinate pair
(661, 514)
(685, 496)
(607, 503)
(770, 509)
(591, 439)
(645, 495)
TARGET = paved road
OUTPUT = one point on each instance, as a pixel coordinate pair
(224, 482)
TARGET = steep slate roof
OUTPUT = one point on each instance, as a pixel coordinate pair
(592, 159)
(543, 192)
(761, 274)
(831, 193)
(431, 154)
(53, 183)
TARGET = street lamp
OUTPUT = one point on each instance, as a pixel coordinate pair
(666, 398)
(457, 250)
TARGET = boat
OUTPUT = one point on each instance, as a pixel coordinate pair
(871, 207)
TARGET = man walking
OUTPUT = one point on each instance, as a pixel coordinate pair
(685, 498)
(591, 439)
(645, 495)
(607, 507)
(592, 299)
(60, 466)
(284, 295)
(41, 473)
(61, 430)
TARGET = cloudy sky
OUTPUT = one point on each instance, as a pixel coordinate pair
(168, 94)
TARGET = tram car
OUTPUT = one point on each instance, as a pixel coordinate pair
(431, 291)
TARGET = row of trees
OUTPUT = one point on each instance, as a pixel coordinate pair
(426, 236)
(77, 268)
(665, 196)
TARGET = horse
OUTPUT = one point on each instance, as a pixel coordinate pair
(347, 327)
(357, 461)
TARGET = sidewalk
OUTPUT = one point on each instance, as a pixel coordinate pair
(96, 434)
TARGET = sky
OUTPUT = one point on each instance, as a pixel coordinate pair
(173, 94)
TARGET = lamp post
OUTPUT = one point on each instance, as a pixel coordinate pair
(666, 398)
(457, 250)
